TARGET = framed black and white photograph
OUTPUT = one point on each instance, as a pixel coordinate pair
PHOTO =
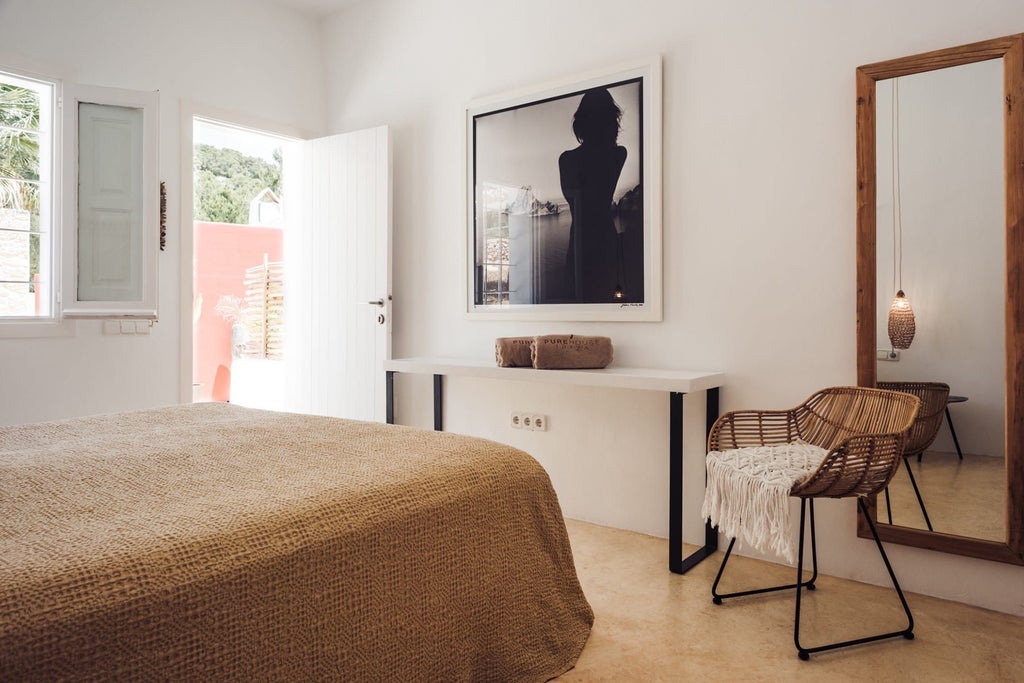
(563, 200)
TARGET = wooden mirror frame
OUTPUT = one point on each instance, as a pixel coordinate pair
(1011, 50)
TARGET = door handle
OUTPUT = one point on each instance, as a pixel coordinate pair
(377, 302)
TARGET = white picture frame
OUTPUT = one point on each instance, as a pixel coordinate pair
(539, 164)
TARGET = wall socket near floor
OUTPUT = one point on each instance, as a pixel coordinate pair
(888, 354)
(535, 422)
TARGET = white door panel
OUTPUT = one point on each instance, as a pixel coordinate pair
(337, 252)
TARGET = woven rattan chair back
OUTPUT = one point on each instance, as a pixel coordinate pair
(933, 397)
(864, 430)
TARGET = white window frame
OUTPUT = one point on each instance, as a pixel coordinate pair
(50, 211)
(62, 207)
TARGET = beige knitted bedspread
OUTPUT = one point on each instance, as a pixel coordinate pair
(217, 543)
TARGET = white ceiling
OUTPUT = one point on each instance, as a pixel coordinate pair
(316, 8)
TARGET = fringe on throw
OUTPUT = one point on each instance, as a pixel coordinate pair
(747, 494)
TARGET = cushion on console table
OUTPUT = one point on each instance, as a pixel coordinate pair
(571, 351)
(514, 352)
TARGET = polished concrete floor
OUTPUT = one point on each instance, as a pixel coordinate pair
(963, 497)
(652, 625)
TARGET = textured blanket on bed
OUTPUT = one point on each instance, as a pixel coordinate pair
(211, 542)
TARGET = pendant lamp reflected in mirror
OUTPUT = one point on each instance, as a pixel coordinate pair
(901, 322)
(901, 315)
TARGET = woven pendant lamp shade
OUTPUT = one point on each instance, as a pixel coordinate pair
(901, 322)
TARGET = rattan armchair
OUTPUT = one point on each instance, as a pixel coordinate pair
(933, 397)
(864, 431)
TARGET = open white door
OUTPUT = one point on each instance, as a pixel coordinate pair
(338, 279)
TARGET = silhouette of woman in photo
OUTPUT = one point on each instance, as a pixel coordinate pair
(589, 174)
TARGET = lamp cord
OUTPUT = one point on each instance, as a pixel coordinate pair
(897, 223)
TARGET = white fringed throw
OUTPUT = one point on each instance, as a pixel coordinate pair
(747, 495)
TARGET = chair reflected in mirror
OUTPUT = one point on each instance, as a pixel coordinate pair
(949, 422)
(933, 397)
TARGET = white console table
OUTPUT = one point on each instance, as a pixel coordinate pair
(676, 382)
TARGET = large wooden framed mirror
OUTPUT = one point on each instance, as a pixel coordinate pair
(940, 213)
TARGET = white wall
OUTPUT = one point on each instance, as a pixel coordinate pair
(759, 205)
(230, 55)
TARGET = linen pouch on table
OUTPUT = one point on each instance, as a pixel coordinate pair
(571, 351)
(513, 352)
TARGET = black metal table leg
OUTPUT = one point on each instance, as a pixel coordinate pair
(438, 415)
(676, 562)
(389, 400)
(710, 418)
(675, 483)
(389, 396)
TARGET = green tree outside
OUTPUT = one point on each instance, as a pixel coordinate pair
(226, 181)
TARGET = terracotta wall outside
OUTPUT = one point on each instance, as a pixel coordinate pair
(222, 252)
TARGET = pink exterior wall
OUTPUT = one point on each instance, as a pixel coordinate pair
(222, 252)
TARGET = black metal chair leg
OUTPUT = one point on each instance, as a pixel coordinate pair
(717, 597)
(807, 509)
(952, 432)
(908, 632)
(917, 492)
(800, 573)
(805, 652)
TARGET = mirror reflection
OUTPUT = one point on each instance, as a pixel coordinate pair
(941, 240)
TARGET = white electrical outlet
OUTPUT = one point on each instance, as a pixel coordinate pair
(531, 421)
(888, 354)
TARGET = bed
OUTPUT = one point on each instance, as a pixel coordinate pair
(213, 542)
